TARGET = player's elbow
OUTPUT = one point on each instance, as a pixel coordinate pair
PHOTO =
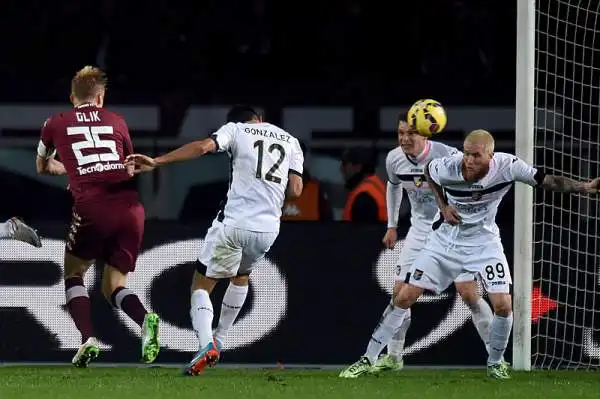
(206, 146)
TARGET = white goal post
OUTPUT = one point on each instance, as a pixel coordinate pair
(523, 236)
(557, 236)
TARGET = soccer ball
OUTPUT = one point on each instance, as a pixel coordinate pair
(427, 117)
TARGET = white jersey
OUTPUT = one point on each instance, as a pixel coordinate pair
(409, 171)
(262, 155)
(477, 202)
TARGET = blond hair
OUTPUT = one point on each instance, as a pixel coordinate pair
(87, 82)
(482, 137)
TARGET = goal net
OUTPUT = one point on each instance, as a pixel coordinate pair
(566, 255)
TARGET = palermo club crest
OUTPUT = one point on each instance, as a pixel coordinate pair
(419, 181)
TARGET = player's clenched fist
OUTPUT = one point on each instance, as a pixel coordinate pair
(390, 238)
(139, 163)
(451, 215)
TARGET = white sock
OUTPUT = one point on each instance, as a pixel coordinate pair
(501, 327)
(384, 332)
(201, 312)
(396, 345)
(482, 319)
(6, 230)
(387, 310)
(233, 300)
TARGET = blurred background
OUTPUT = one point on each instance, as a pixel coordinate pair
(336, 74)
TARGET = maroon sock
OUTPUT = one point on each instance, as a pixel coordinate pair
(124, 299)
(78, 303)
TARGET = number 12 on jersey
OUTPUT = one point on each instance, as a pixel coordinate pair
(269, 176)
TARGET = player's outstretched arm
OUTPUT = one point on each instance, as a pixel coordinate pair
(195, 149)
(188, 151)
(566, 185)
(528, 174)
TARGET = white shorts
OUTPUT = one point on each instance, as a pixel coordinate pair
(440, 263)
(229, 251)
(413, 246)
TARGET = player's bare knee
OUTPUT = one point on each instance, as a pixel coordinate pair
(502, 304)
(407, 296)
(106, 289)
(397, 288)
(112, 279)
(75, 267)
(240, 280)
(468, 292)
(201, 282)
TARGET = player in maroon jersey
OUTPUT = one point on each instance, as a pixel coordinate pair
(108, 220)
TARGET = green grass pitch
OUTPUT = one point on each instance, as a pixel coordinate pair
(45, 382)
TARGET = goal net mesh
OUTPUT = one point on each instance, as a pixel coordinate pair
(566, 274)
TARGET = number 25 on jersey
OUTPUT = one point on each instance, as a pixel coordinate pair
(91, 139)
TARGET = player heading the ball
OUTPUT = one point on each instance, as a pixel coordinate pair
(468, 188)
(405, 167)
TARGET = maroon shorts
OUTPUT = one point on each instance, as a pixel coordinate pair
(108, 232)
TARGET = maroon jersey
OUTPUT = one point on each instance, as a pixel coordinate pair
(92, 143)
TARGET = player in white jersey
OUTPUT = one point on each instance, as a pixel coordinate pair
(405, 169)
(266, 165)
(468, 189)
(18, 230)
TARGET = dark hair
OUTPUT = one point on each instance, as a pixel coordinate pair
(241, 114)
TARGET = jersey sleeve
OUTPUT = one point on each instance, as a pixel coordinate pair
(445, 170)
(435, 170)
(452, 152)
(224, 138)
(297, 159)
(522, 172)
(390, 162)
(46, 148)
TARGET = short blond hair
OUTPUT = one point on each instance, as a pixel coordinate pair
(482, 137)
(87, 82)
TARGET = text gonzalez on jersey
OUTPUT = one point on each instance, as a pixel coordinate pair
(268, 133)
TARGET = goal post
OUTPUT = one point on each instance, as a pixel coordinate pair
(524, 147)
(557, 236)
